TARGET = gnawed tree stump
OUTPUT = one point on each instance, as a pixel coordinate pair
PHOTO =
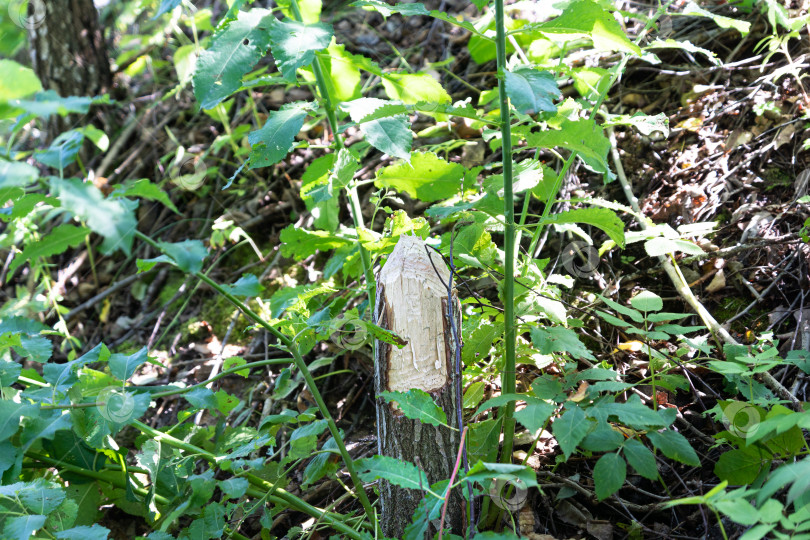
(412, 302)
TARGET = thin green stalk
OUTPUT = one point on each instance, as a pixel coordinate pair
(96, 475)
(302, 366)
(508, 375)
(357, 215)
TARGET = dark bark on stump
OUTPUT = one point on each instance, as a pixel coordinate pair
(425, 310)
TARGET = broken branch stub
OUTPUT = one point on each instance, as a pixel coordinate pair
(412, 302)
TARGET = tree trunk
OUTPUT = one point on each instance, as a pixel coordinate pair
(67, 47)
(412, 302)
(68, 55)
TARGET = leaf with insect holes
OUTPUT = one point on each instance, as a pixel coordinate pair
(54, 243)
(273, 141)
(608, 475)
(235, 48)
(531, 91)
(400, 473)
(417, 405)
(294, 44)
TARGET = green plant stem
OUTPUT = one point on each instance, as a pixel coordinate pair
(357, 214)
(96, 475)
(302, 366)
(237, 369)
(508, 375)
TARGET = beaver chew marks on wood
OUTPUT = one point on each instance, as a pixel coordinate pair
(412, 301)
(415, 305)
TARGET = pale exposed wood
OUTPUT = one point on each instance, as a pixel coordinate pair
(412, 301)
(414, 296)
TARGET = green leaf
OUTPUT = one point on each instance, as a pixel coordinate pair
(145, 189)
(187, 255)
(485, 472)
(569, 430)
(22, 527)
(400, 473)
(344, 73)
(603, 439)
(300, 243)
(412, 88)
(62, 151)
(83, 532)
(582, 136)
(482, 439)
(473, 395)
(535, 415)
(322, 464)
(645, 124)
(248, 285)
(123, 366)
(675, 446)
(641, 459)
(608, 475)
(743, 27)
(601, 218)
(16, 81)
(235, 48)
(294, 44)
(166, 6)
(417, 405)
(48, 103)
(427, 177)
(391, 135)
(647, 301)
(663, 246)
(273, 141)
(741, 466)
(114, 219)
(624, 310)
(235, 362)
(234, 487)
(531, 91)
(550, 339)
(585, 18)
(57, 241)
(16, 173)
(632, 413)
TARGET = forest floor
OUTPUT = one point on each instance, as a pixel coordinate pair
(737, 155)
